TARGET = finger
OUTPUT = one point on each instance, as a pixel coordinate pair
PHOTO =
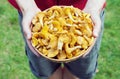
(97, 25)
(27, 33)
(26, 27)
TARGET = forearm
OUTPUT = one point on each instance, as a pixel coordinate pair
(95, 5)
(26, 5)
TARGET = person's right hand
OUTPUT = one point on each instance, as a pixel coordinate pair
(26, 23)
(28, 10)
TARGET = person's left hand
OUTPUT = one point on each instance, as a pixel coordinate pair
(95, 16)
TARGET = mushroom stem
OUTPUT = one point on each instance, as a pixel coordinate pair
(70, 50)
(40, 16)
(60, 45)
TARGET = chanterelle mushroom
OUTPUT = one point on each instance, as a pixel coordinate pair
(34, 41)
(52, 52)
(70, 50)
(56, 25)
(58, 9)
(37, 27)
(73, 40)
(63, 38)
(61, 55)
(53, 42)
(40, 16)
(44, 32)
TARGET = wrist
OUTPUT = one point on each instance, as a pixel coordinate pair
(30, 6)
(31, 9)
(91, 10)
(95, 6)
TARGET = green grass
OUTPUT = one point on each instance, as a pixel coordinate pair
(14, 63)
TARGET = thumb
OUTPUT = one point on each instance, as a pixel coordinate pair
(26, 27)
(97, 25)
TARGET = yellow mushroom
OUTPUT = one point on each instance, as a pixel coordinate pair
(61, 55)
(37, 27)
(52, 53)
(40, 16)
(34, 41)
(63, 38)
(44, 32)
(69, 55)
(62, 21)
(53, 42)
(68, 11)
(55, 15)
(56, 25)
(45, 41)
(83, 42)
(86, 30)
(70, 50)
(69, 21)
(65, 22)
(78, 32)
(79, 40)
(73, 40)
(35, 20)
(89, 31)
(40, 42)
(89, 39)
(40, 50)
(75, 31)
(60, 45)
(78, 12)
(35, 34)
(79, 52)
(48, 12)
(58, 9)
(45, 51)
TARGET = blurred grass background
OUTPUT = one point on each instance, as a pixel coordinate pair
(13, 61)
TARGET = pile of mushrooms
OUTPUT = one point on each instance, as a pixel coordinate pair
(62, 32)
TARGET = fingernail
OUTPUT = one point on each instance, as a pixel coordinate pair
(28, 36)
(95, 34)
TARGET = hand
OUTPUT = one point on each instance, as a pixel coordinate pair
(96, 20)
(28, 10)
(94, 7)
(26, 23)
